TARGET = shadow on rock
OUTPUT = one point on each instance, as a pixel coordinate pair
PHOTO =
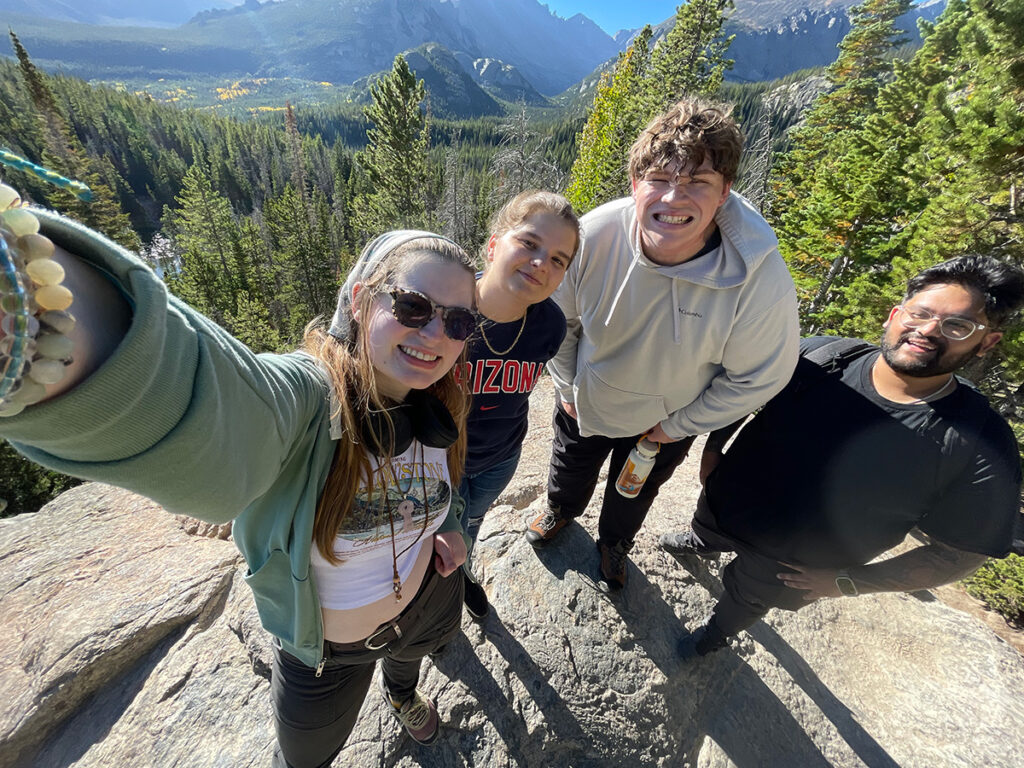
(729, 713)
(524, 737)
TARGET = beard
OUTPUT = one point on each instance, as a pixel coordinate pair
(941, 361)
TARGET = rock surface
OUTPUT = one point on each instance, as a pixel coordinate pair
(129, 639)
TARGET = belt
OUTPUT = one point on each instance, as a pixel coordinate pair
(392, 630)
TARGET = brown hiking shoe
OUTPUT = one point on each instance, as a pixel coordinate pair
(614, 558)
(418, 715)
(545, 526)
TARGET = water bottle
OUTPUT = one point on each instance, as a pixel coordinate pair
(637, 468)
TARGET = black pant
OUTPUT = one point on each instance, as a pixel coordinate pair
(576, 462)
(752, 586)
(314, 715)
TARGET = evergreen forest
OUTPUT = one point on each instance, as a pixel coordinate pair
(891, 159)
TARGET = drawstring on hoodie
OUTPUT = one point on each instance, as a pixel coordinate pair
(676, 329)
(632, 265)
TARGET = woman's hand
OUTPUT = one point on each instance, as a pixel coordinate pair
(102, 314)
(449, 552)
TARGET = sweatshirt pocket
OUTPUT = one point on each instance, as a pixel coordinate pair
(613, 412)
(289, 608)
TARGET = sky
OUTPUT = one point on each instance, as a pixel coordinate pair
(613, 15)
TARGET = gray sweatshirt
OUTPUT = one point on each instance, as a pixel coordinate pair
(693, 346)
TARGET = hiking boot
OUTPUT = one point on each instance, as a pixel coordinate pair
(686, 542)
(475, 598)
(545, 526)
(614, 558)
(704, 640)
(418, 715)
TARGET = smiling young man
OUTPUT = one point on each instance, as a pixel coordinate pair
(681, 318)
(862, 446)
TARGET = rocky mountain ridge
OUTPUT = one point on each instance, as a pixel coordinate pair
(524, 38)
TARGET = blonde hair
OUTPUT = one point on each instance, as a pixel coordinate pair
(690, 131)
(353, 380)
(526, 204)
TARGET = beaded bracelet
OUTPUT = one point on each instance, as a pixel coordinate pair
(34, 346)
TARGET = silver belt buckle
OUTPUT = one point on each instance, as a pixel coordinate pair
(368, 642)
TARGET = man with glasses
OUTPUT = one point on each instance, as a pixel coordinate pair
(862, 446)
(681, 318)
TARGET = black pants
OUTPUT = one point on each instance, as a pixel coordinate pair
(314, 715)
(752, 586)
(576, 462)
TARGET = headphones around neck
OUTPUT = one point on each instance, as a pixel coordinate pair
(421, 416)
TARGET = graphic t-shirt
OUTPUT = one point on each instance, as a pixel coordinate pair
(501, 384)
(411, 495)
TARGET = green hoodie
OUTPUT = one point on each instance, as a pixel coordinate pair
(187, 415)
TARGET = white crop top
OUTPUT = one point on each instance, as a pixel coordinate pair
(364, 541)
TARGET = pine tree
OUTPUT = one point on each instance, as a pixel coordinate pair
(297, 159)
(969, 166)
(395, 158)
(690, 61)
(63, 152)
(825, 187)
(203, 231)
(616, 118)
(305, 253)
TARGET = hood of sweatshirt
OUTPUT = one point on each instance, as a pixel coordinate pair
(691, 346)
(746, 240)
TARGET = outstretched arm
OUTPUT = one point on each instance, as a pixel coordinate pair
(161, 400)
(922, 568)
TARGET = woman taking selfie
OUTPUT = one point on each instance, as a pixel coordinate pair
(336, 462)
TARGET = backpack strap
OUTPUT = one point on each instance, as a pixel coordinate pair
(828, 358)
(835, 354)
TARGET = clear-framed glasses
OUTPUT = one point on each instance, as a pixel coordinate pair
(955, 328)
(414, 310)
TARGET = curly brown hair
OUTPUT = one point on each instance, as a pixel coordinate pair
(690, 131)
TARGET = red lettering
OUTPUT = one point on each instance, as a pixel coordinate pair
(462, 374)
(531, 373)
(510, 379)
(490, 388)
(476, 379)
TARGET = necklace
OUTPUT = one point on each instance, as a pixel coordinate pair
(515, 341)
(396, 581)
(934, 395)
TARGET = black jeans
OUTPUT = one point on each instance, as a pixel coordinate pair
(314, 715)
(752, 586)
(576, 462)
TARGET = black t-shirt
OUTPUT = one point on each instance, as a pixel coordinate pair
(501, 384)
(831, 474)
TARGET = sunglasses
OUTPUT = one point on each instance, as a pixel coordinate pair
(414, 310)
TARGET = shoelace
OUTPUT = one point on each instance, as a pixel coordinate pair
(416, 713)
(549, 521)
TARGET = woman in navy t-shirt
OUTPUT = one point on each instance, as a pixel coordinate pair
(534, 238)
